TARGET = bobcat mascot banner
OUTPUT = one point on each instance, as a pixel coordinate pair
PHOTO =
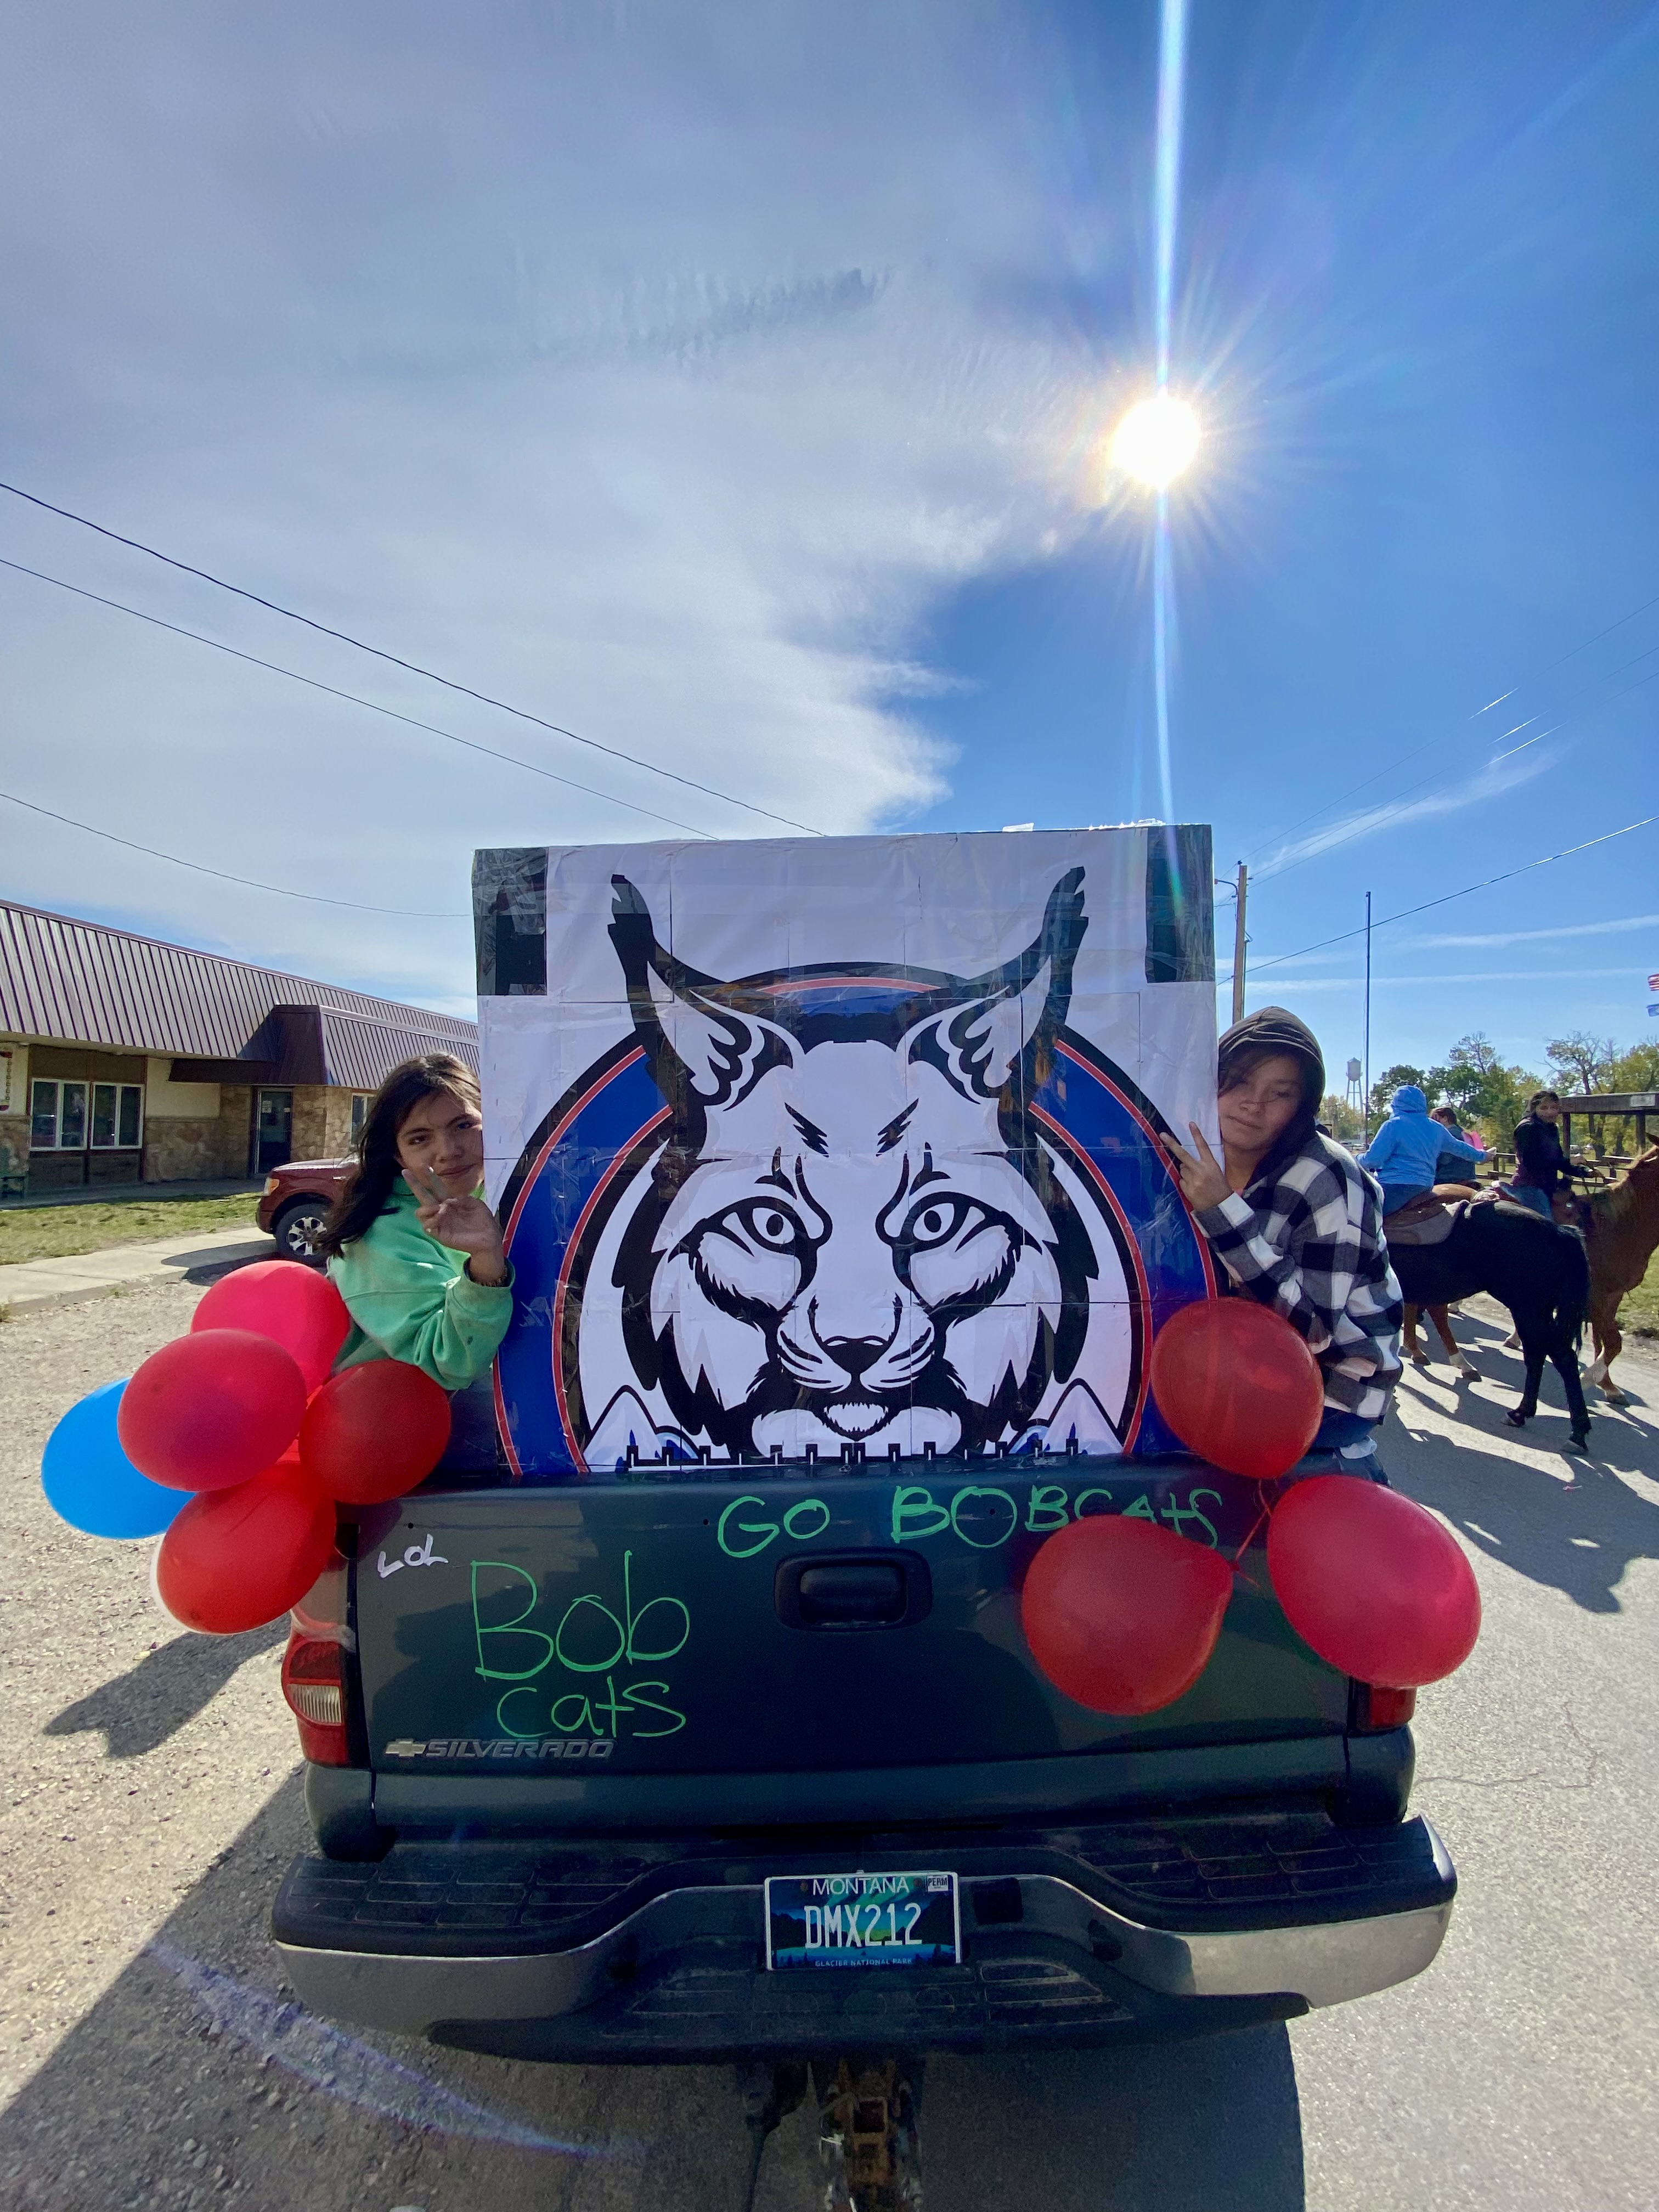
(843, 1150)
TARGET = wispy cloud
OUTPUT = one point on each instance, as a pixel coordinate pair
(654, 371)
(1491, 782)
(1542, 936)
(1431, 981)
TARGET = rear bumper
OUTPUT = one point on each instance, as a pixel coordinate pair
(1141, 1931)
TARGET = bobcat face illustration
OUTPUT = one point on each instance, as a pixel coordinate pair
(852, 1235)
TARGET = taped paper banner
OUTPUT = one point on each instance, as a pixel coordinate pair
(842, 1149)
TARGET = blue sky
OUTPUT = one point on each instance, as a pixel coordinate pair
(731, 383)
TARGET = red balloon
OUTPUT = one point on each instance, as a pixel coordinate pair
(237, 1558)
(300, 1311)
(210, 1409)
(1379, 1589)
(1122, 1615)
(375, 1432)
(1238, 1386)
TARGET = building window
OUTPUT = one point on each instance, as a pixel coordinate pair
(72, 1117)
(57, 1117)
(358, 1114)
(116, 1117)
(43, 1118)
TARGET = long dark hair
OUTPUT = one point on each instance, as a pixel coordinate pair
(1268, 1034)
(367, 1195)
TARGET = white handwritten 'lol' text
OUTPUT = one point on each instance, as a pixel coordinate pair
(415, 1555)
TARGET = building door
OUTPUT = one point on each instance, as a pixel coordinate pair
(273, 1131)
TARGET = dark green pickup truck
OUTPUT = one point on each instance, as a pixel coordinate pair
(584, 1729)
(700, 1722)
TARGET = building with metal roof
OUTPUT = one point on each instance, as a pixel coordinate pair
(124, 1060)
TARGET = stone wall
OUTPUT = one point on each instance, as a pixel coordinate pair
(15, 1143)
(309, 1138)
(14, 1106)
(197, 1149)
(337, 1134)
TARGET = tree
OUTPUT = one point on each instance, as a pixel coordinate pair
(1478, 1052)
(1342, 1120)
(1502, 1102)
(1635, 1070)
(1393, 1079)
(1579, 1053)
(1479, 1088)
(1461, 1086)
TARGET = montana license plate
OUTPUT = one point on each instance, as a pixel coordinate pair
(862, 1920)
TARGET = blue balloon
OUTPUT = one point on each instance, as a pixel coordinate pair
(92, 1484)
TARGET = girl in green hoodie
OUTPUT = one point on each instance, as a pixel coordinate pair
(412, 1248)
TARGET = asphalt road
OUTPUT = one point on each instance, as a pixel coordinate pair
(151, 2055)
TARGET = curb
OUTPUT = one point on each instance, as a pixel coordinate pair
(237, 1252)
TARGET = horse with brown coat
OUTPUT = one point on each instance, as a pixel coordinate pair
(1620, 1229)
(1621, 1233)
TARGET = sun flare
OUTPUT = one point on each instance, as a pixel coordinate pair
(1156, 440)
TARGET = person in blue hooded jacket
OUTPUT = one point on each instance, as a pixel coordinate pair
(1403, 1152)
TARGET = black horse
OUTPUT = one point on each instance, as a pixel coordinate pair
(1539, 1271)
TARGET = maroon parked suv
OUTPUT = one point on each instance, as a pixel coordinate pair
(295, 1203)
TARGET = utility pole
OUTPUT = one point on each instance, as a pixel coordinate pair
(1238, 944)
(1368, 1018)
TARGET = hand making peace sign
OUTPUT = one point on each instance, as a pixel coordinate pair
(1203, 1179)
(465, 1225)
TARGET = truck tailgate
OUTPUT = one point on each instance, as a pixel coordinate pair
(741, 1623)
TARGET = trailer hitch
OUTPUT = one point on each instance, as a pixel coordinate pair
(867, 2126)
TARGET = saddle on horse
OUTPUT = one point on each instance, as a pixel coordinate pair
(1425, 1219)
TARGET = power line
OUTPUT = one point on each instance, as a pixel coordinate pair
(413, 667)
(1571, 654)
(409, 913)
(1365, 782)
(313, 684)
(1269, 874)
(1405, 913)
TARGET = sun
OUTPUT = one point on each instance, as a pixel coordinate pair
(1156, 440)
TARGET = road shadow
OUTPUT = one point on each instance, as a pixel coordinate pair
(1577, 1535)
(208, 1269)
(140, 1710)
(228, 2092)
(1208, 2126)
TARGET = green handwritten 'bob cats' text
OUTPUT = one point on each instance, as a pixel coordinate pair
(591, 1638)
(982, 1515)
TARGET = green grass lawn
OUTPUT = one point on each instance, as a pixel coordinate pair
(1638, 1316)
(53, 1232)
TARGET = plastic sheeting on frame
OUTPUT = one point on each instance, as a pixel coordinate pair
(842, 1149)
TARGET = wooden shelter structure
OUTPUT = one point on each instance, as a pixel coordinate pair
(1621, 1105)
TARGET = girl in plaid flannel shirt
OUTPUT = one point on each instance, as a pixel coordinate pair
(1297, 1223)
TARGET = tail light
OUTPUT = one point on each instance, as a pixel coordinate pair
(314, 1668)
(1375, 1709)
